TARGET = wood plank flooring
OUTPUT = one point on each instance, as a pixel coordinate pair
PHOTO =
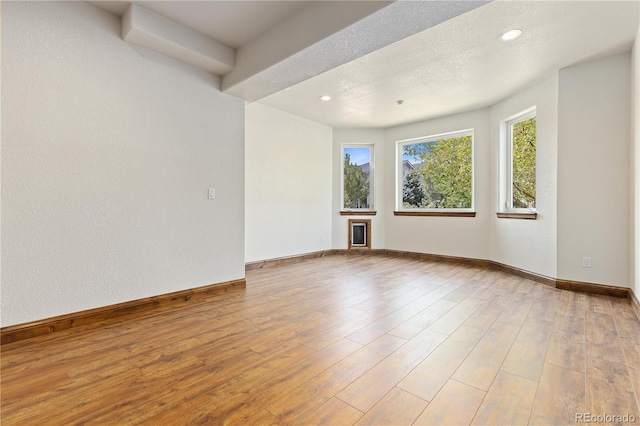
(367, 340)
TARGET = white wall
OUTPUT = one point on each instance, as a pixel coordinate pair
(635, 166)
(107, 154)
(577, 109)
(288, 184)
(340, 224)
(452, 236)
(528, 244)
(593, 171)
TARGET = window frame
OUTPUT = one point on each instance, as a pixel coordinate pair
(506, 201)
(454, 212)
(371, 208)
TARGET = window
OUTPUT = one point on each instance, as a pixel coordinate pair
(357, 177)
(436, 173)
(520, 181)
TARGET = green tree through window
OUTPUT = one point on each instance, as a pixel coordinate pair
(446, 170)
(524, 163)
(356, 185)
(413, 192)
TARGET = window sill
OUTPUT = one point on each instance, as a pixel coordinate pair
(432, 213)
(517, 215)
(358, 213)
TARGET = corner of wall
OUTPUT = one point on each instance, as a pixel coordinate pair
(600, 172)
(288, 187)
(539, 254)
(635, 166)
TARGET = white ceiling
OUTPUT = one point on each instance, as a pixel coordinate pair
(460, 64)
(457, 65)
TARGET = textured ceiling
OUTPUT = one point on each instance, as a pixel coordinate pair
(341, 31)
(439, 57)
(312, 38)
(461, 64)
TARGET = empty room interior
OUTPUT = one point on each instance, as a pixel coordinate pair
(320, 212)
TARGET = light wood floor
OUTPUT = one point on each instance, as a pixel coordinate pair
(341, 340)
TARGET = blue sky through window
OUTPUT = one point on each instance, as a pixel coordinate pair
(359, 156)
(412, 159)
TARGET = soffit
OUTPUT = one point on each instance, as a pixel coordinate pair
(233, 23)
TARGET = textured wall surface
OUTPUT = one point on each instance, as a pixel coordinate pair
(593, 171)
(288, 184)
(107, 154)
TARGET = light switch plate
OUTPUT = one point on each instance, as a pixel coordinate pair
(212, 194)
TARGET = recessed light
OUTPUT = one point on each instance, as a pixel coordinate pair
(510, 35)
(325, 98)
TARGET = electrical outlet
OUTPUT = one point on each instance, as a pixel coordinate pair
(586, 262)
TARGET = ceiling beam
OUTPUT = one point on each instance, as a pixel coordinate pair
(324, 35)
